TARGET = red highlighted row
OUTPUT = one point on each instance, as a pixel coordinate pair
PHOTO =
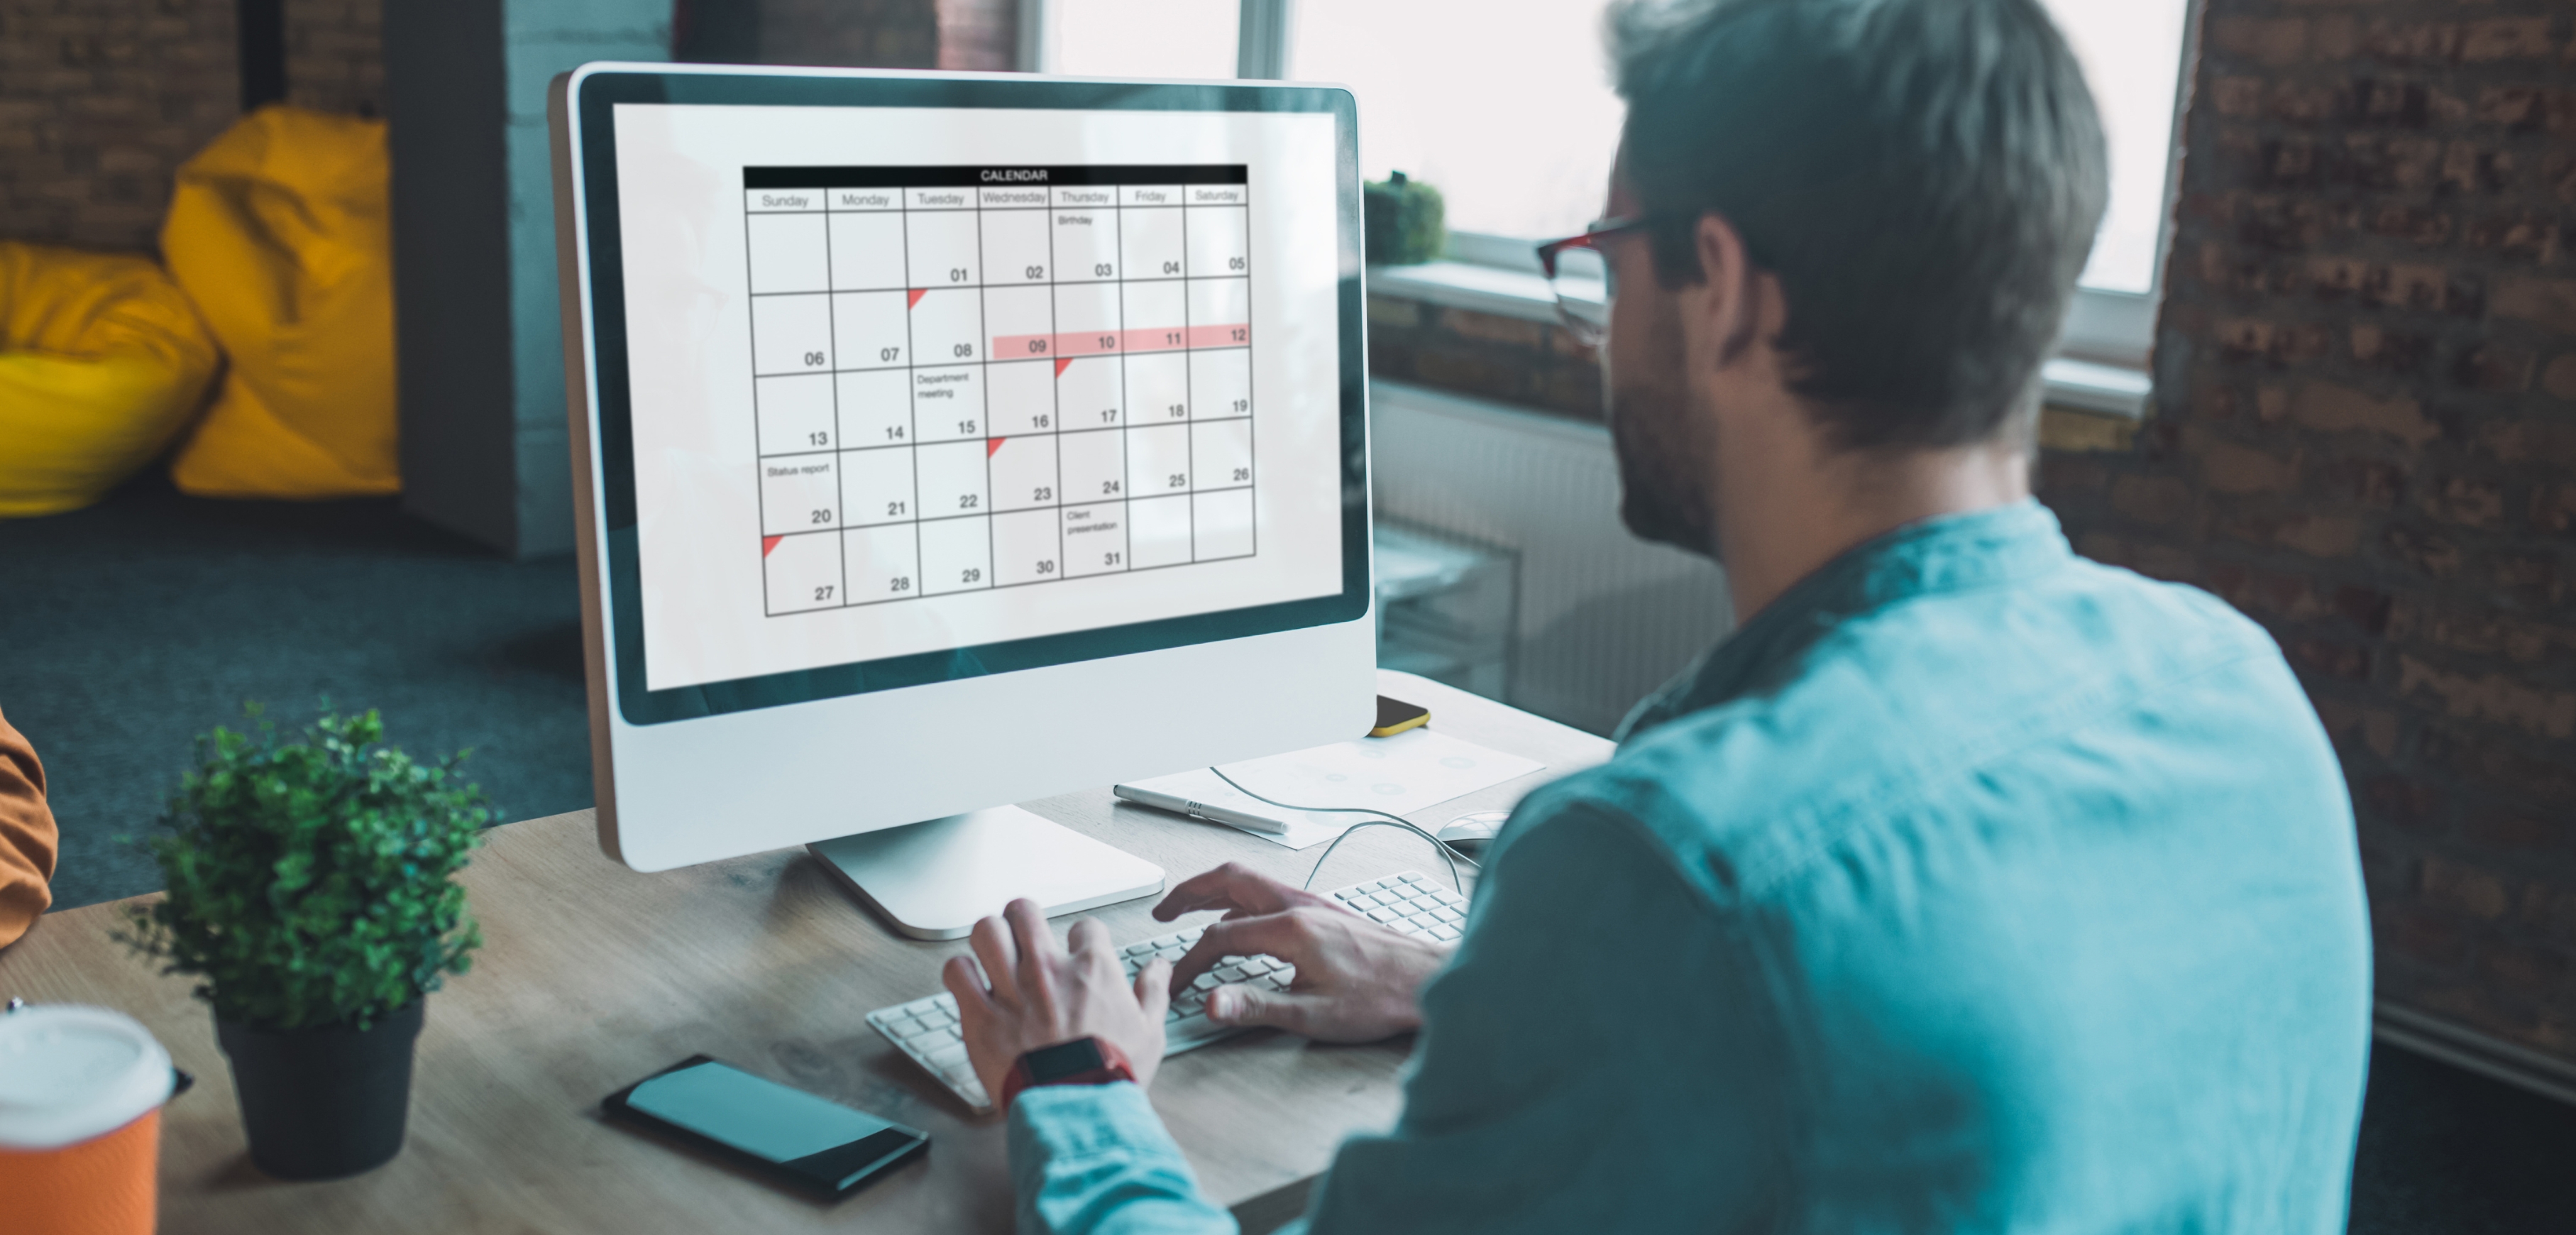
(1073, 343)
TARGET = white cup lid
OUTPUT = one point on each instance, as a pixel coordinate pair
(69, 1073)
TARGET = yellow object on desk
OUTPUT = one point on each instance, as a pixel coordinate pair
(1394, 716)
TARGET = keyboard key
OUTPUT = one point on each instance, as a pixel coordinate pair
(926, 1029)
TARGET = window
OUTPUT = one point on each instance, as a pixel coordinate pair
(1143, 38)
(2132, 55)
(1510, 115)
(1505, 106)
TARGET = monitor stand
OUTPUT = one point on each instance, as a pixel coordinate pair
(933, 880)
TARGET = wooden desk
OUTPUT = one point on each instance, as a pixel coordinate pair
(593, 975)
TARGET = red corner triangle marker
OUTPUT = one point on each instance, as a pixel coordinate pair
(992, 446)
(1062, 363)
(915, 301)
(768, 543)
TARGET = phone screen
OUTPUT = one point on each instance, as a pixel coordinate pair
(820, 1142)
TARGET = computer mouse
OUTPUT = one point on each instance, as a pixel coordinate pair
(1469, 834)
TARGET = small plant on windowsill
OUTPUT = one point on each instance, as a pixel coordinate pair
(312, 886)
(1404, 220)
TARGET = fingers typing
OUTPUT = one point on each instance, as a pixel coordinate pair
(1038, 954)
(1283, 935)
(1250, 1005)
(991, 942)
(1231, 886)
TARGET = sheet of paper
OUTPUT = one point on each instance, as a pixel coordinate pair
(1398, 775)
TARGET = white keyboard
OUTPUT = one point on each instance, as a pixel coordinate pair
(926, 1029)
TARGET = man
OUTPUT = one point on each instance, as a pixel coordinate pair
(27, 836)
(1968, 886)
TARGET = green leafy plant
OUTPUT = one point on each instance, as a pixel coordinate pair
(1403, 221)
(313, 882)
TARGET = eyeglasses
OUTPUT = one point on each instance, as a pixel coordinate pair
(1578, 271)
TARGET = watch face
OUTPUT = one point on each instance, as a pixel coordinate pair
(1048, 1063)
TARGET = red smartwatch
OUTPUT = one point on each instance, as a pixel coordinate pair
(1083, 1061)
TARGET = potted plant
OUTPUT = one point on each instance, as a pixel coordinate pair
(312, 885)
(1403, 221)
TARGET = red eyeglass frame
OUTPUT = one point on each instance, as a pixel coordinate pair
(1602, 230)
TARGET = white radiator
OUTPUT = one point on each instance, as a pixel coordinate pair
(1603, 617)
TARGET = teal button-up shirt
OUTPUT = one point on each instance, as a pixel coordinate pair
(1971, 886)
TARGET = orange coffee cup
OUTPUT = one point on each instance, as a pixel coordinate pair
(80, 1121)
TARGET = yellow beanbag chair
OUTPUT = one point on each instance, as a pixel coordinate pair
(278, 232)
(101, 362)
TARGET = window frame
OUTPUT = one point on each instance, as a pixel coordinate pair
(2102, 358)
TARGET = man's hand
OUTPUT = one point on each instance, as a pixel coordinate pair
(1356, 981)
(1039, 996)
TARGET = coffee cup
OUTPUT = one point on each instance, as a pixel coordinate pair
(81, 1091)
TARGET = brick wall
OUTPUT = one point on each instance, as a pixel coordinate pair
(857, 33)
(335, 55)
(2365, 437)
(979, 35)
(1500, 358)
(99, 101)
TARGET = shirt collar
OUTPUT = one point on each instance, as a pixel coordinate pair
(1984, 548)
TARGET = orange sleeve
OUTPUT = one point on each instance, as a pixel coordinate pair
(27, 836)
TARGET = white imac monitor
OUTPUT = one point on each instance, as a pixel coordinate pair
(944, 441)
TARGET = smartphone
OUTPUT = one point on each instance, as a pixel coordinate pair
(813, 1145)
(1394, 716)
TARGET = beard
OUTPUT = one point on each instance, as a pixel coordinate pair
(1661, 442)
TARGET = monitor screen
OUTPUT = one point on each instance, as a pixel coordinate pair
(912, 392)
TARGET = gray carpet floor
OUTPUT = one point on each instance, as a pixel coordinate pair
(128, 628)
(131, 627)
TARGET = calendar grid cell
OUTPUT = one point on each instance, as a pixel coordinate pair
(972, 274)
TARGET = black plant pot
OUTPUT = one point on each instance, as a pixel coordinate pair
(324, 1102)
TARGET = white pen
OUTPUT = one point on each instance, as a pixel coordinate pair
(1200, 810)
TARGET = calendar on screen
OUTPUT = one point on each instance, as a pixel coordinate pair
(987, 377)
(910, 381)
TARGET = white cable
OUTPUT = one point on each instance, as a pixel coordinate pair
(1384, 820)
